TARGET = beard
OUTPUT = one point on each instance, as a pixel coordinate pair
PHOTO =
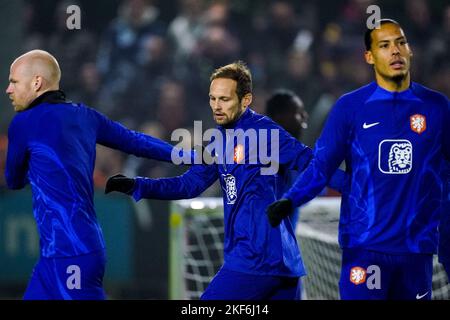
(399, 78)
(229, 122)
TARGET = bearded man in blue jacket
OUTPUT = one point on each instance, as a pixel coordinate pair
(260, 262)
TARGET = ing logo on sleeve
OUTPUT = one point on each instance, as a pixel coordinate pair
(230, 188)
(395, 156)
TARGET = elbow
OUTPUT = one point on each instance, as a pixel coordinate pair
(192, 192)
(195, 194)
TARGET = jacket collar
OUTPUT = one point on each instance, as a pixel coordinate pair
(56, 96)
(247, 114)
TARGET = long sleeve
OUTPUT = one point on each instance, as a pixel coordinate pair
(114, 135)
(297, 156)
(189, 185)
(293, 154)
(17, 158)
(340, 181)
(329, 152)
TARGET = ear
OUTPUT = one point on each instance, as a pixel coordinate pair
(246, 100)
(37, 83)
(369, 57)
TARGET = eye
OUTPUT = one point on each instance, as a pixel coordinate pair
(385, 45)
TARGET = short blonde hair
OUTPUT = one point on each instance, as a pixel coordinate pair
(239, 72)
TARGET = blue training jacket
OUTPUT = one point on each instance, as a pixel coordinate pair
(394, 144)
(251, 245)
(52, 146)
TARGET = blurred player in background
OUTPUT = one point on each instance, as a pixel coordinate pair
(393, 135)
(287, 109)
(260, 262)
(52, 147)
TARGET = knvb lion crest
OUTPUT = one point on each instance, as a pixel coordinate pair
(418, 123)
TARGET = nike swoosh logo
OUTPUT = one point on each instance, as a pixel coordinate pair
(421, 296)
(367, 126)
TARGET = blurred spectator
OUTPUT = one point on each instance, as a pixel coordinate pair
(437, 63)
(418, 22)
(185, 30)
(122, 47)
(141, 93)
(217, 45)
(89, 85)
(171, 108)
(74, 48)
(282, 30)
(298, 75)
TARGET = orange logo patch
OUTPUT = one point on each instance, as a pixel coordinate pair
(357, 275)
(238, 153)
(418, 123)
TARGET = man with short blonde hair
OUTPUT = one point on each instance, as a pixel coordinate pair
(52, 146)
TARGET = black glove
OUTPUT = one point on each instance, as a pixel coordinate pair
(120, 183)
(279, 210)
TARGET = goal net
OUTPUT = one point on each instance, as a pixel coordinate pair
(196, 249)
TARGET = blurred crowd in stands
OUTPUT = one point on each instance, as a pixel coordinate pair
(149, 65)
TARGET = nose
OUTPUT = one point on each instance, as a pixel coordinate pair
(9, 89)
(395, 50)
(215, 105)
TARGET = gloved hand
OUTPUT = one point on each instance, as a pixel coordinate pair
(279, 210)
(120, 183)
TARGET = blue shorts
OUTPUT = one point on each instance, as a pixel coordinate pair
(370, 275)
(232, 285)
(68, 278)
